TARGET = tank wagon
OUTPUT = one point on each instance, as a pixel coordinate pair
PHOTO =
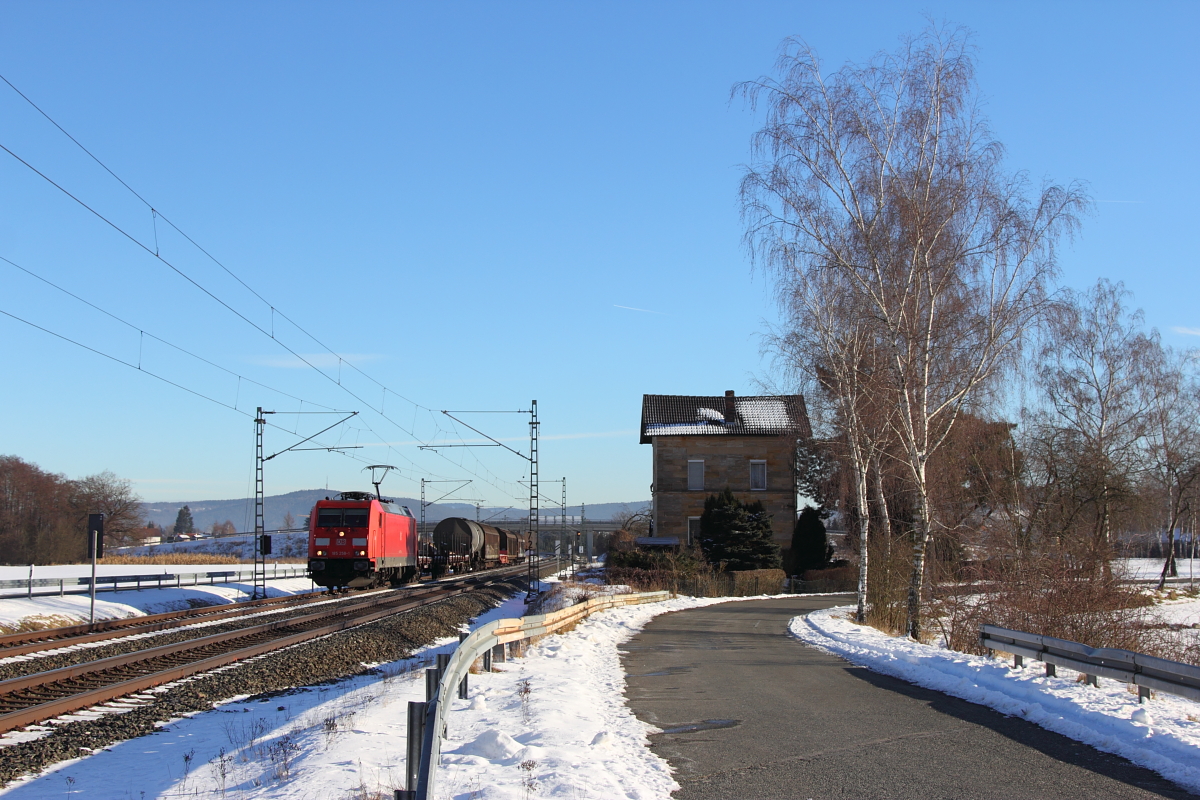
(360, 540)
(463, 545)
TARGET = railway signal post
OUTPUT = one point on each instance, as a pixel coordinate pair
(95, 551)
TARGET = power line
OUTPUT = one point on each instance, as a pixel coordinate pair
(126, 363)
(165, 380)
(141, 332)
(155, 252)
(257, 327)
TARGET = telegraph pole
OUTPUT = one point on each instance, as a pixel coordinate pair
(534, 557)
(262, 543)
(532, 554)
(260, 558)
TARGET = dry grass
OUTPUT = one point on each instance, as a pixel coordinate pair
(699, 584)
(191, 557)
(173, 558)
(39, 623)
(1061, 598)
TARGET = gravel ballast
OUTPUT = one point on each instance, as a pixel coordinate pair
(328, 659)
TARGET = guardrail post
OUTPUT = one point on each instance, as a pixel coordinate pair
(61, 587)
(1143, 694)
(1094, 680)
(1051, 670)
(433, 676)
(498, 653)
(1018, 662)
(416, 738)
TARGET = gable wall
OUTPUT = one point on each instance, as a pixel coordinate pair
(726, 463)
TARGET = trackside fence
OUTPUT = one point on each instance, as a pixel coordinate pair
(492, 642)
(31, 587)
(1145, 672)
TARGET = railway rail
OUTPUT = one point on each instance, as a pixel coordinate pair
(16, 644)
(45, 695)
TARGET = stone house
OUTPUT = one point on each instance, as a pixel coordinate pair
(703, 444)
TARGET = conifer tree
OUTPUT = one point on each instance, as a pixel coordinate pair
(184, 522)
(736, 534)
(810, 544)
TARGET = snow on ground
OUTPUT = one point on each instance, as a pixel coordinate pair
(345, 739)
(85, 570)
(1163, 735)
(1181, 611)
(1145, 569)
(283, 545)
(570, 735)
(71, 609)
(556, 721)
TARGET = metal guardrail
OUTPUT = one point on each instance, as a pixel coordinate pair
(1145, 672)
(62, 586)
(427, 721)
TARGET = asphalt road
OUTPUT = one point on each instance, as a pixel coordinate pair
(749, 712)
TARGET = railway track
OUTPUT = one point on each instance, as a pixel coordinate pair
(25, 642)
(45, 695)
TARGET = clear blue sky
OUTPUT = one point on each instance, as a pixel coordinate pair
(467, 201)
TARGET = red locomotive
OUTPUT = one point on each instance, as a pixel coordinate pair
(361, 540)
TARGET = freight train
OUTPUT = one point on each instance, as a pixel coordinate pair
(461, 545)
(360, 540)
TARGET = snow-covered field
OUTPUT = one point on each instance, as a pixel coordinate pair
(283, 545)
(1162, 735)
(50, 611)
(85, 570)
(1145, 569)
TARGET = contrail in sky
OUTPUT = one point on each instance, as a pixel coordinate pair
(631, 308)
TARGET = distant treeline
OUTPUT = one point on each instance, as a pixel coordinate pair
(43, 516)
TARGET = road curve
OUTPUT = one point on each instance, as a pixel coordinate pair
(749, 712)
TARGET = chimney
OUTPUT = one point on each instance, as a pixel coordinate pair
(730, 410)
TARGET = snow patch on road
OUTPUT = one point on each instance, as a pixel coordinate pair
(1163, 735)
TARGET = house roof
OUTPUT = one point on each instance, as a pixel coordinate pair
(699, 415)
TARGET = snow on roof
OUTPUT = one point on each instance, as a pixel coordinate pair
(700, 415)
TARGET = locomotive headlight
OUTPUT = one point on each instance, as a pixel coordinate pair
(362, 552)
(320, 552)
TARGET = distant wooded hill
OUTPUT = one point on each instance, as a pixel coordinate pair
(299, 505)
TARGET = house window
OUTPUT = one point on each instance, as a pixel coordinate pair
(693, 530)
(758, 476)
(696, 476)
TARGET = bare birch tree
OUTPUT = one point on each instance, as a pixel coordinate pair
(1173, 440)
(1094, 382)
(829, 344)
(886, 175)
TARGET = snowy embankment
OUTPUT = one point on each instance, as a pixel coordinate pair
(551, 724)
(42, 611)
(1162, 735)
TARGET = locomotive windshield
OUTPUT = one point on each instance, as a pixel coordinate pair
(342, 517)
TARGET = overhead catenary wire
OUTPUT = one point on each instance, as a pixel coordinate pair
(142, 333)
(492, 478)
(254, 325)
(175, 384)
